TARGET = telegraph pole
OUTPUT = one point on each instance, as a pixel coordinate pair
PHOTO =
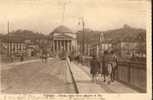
(101, 41)
(8, 27)
(83, 35)
(64, 10)
(8, 31)
(83, 25)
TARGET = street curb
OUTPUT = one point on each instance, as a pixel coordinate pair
(73, 79)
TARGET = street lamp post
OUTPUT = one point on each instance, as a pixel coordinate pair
(9, 42)
(83, 36)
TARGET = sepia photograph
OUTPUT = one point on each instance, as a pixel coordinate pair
(74, 47)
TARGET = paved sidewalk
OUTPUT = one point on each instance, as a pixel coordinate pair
(84, 82)
(86, 85)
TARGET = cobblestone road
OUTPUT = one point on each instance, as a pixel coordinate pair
(37, 77)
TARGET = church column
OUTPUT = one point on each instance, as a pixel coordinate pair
(64, 45)
(57, 46)
(70, 45)
(60, 45)
(67, 44)
(53, 46)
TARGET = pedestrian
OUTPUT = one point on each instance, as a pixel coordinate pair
(94, 68)
(98, 68)
(44, 55)
(70, 58)
(77, 58)
(46, 58)
(114, 66)
(12, 58)
(21, 57)
(43, 58)
(104, 65)
(110, 64)
(80, 59)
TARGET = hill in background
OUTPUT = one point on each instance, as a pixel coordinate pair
(126, 33)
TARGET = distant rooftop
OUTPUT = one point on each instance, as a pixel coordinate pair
(12, 39)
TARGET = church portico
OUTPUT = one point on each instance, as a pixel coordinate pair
(63, 39)
(59, 45)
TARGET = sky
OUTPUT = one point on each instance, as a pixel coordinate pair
(45, 15)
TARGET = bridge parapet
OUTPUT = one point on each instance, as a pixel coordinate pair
(132, 74)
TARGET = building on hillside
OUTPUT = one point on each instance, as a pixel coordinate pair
(102, 45)
(86, 39)
(132, 46)
(99, 48)
(0, 43)
(63, 39)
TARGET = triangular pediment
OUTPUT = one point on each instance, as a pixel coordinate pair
(63, 37)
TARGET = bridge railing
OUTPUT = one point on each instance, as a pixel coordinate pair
(73, 79)
(132, 74)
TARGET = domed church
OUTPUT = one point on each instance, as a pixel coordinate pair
(63, 39)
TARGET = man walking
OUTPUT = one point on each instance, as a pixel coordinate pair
(104, 65)
(94, 68)
(114, 65)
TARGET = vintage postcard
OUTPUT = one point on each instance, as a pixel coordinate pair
(75, 50)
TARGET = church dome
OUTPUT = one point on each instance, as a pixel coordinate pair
(62, 29)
